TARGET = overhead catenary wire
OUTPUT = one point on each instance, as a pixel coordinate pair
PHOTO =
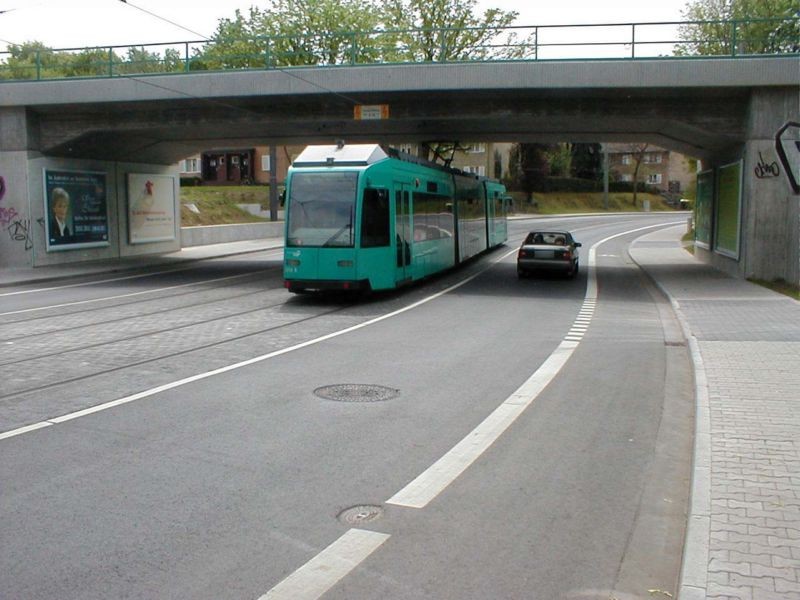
(353, 101)
(159, 17)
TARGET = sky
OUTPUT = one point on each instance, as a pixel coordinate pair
(83, 23)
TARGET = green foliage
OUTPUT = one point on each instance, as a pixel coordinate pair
(335, 32)
(529, 165)
(728, 27)
(587, 161)
(559, 157)
(34, 60)
(449, 30)
(292, 32)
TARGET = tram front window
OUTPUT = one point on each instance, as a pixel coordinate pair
(322, 209)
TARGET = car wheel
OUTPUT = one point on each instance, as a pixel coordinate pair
(574, 271)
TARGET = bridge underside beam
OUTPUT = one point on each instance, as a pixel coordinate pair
(676, 119)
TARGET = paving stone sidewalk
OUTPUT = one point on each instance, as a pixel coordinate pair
(743, 539)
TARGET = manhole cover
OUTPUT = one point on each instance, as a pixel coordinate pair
(358, 515)
(356, 392)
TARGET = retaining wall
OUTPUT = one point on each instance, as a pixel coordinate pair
(220, 234)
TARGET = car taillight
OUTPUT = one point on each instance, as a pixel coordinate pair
(567, 255)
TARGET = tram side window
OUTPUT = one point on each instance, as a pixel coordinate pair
(375, 218)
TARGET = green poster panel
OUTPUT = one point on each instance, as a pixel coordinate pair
(729, 209)
(702, 208)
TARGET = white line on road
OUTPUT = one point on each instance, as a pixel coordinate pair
(323, 571)
(111, 280)
(117, 297)
(431, 482)
(239, 365)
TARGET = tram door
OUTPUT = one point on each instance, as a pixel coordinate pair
(402, 229)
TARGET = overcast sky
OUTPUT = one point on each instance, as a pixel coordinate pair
(81, 23)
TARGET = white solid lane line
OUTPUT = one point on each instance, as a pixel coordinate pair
(181, 382)
(323, 571)
(431, 482)
(112, 279)
(132, 294)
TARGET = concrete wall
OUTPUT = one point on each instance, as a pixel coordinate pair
(770, 217)
(116, 198)
(219, 234)
(16, 224)
(23, 210)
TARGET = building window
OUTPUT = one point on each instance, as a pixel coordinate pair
(652, 158)
(627, 159)
(191, 165)
(654, 178)
(626, 177)
(479, 170)
(475, 148)
(265, 166)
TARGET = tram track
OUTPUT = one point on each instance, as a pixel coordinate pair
(121, 319)
(64, 356)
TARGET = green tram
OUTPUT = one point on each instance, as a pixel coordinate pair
(364, 217)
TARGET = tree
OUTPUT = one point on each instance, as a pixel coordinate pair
(726, 27)
(31, 60)
(638, 152)
(587, 161)
(449, 30)
(328, 32)
(292, 32)
(528, 164)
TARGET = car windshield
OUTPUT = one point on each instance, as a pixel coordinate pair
(321, 209)
(550, 238)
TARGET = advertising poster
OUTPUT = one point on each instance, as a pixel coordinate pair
(702, 210)
(76, 209)
(151, 208)
(729, 205)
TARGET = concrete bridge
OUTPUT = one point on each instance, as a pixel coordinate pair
(722, 110)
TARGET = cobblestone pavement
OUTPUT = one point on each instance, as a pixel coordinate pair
(743, 539)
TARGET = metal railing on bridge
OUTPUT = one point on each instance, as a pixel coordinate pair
(617, 41)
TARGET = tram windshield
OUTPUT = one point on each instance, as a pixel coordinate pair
(322, 209)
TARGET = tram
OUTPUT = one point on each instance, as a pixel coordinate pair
(363, 217)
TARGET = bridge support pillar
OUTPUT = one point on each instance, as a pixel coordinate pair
(18, 143)
(768, 245)
(133, 206)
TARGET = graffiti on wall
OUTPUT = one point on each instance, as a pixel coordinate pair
(7, 213)
(764, 169)
(20, 231)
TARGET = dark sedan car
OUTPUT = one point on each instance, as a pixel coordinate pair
(554, 251)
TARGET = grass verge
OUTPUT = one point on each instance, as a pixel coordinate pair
(217, 204)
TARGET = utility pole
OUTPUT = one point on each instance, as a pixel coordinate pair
(605, 177)
(273, 183)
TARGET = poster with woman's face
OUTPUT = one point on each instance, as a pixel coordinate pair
(76, 209)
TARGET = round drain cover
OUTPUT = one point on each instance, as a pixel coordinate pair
(356, 392)
(358, 515)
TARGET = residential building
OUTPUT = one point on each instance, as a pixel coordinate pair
(662, 169)
(236, 166)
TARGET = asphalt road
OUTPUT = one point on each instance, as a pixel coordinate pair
(168, 435)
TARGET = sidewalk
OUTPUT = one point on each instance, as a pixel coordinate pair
(743, 536)
(117, 265)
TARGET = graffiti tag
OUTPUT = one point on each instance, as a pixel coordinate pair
(7, 215)
(764, 169)
(19, 231)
